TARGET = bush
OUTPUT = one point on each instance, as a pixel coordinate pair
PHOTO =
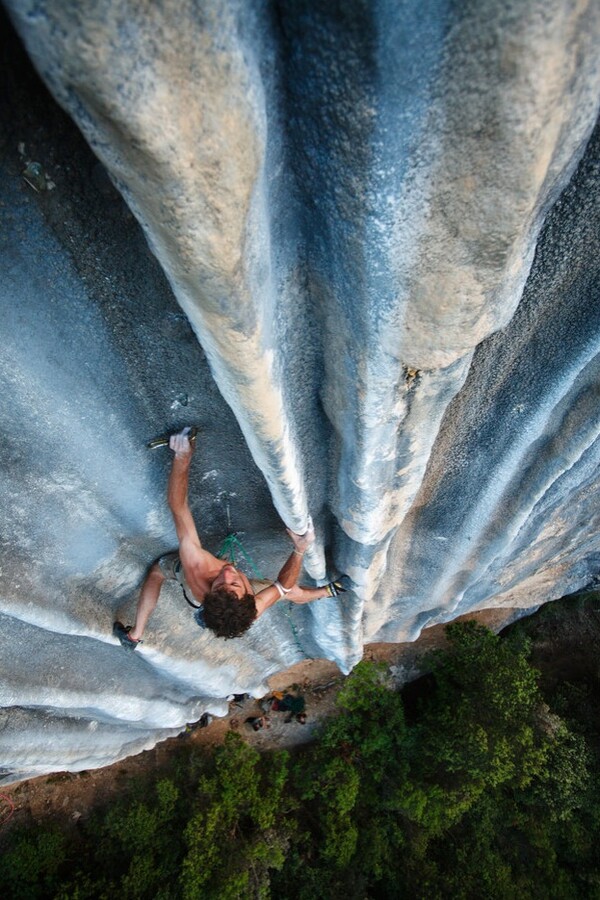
(239, 831)
(478, 730)
(31, 867)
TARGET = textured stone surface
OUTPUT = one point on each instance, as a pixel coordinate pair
(381, 222)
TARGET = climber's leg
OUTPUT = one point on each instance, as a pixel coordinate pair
(147, 601)
(130, 637)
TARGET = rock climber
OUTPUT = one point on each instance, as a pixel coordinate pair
(226, 601)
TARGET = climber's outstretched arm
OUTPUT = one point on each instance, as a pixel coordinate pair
(288, 574)
(299, 594)
(198, 563)
(177, 489)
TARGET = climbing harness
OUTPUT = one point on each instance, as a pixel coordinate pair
(227, 551)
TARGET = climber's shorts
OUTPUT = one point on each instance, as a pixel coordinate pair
(170, 566)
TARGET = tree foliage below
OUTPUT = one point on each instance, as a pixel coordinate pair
(483, 791)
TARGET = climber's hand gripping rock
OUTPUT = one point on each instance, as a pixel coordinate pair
(183, 444)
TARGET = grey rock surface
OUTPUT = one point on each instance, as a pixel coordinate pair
(374, 226)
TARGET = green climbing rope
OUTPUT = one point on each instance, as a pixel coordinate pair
(228, 550)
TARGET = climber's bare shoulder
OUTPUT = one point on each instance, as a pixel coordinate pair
(199, 565)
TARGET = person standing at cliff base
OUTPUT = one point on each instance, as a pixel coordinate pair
(225, 600)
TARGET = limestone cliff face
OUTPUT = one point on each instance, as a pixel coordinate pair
(379, 222)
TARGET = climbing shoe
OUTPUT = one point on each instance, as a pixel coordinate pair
(122, 633)
(339, 586)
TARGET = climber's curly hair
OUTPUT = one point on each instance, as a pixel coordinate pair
(228, 615)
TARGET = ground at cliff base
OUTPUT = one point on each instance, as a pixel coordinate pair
(564, 635)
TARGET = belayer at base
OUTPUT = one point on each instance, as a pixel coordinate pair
(227, 602)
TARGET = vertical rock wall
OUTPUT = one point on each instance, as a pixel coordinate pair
(380, 221)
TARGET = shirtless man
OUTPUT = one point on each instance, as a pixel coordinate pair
(226, 602)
